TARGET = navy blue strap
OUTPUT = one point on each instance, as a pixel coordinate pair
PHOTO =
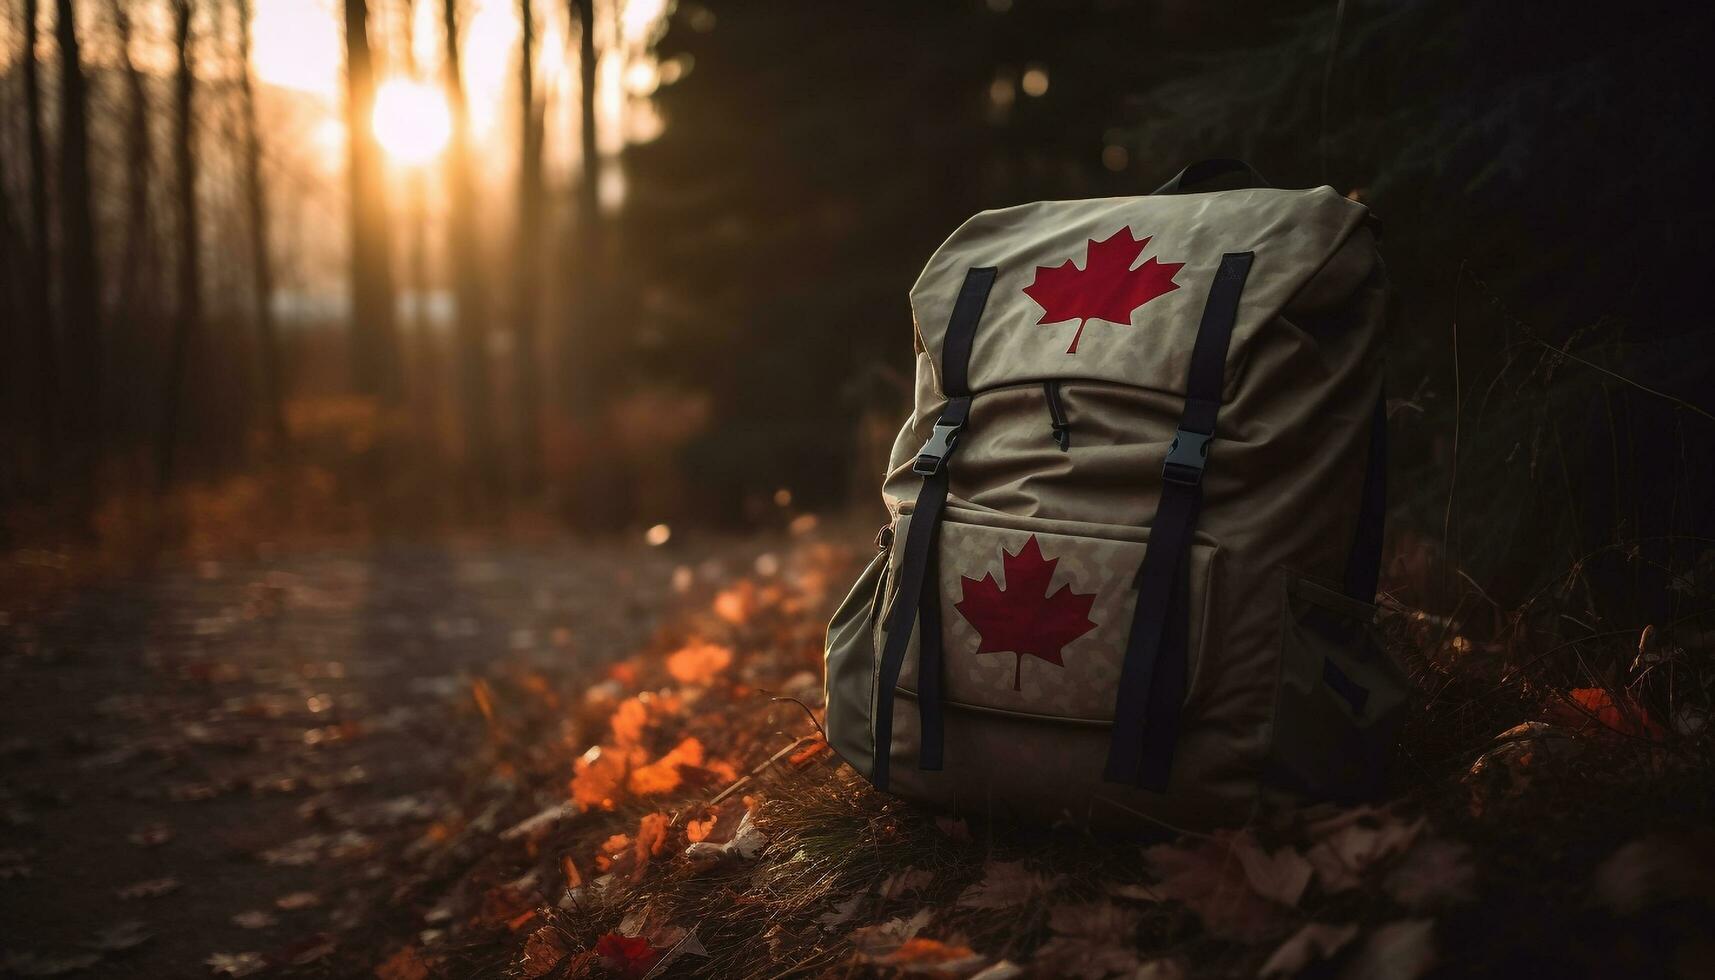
(1153, 676)
(918, 600)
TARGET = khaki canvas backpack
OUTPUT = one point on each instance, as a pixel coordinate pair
(1136, 516)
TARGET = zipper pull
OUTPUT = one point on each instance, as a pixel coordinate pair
(1062, 429)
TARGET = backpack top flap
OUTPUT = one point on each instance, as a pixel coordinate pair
(1113, 289)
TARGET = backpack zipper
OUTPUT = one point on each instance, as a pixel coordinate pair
(1062, 429)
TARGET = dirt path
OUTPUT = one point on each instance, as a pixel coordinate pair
(197, 764)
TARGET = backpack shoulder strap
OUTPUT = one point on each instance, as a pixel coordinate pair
(919, 602)
(1153, 674)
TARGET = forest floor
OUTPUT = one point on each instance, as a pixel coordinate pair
(482, 760)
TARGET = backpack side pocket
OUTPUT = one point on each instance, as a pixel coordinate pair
(1341, 697)
(850, 674)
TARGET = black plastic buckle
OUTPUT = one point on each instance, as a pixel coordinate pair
(1186, 457)
(938, 449)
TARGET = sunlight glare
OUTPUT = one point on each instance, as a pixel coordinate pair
(411, 121)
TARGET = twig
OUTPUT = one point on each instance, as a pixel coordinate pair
(771, 760)
(807, 712)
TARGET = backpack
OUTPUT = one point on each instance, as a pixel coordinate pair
(1136, 517)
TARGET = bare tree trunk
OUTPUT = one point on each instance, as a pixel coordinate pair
(472, 303)
(43, 398)
(136, 326)
(80, 279)
(421, 365)
(188, 326)
(261, 264)
(374, 347)
(527, 261)
(140, 155)
(582, 342)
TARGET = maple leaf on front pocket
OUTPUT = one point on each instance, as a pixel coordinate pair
(1021, 617)
(1106, 288)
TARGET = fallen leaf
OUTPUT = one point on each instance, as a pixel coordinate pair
(297, 901)
(1315, 941)
(1625, 716)
(1504, 772)
(151, 835)
(1004, 970)
(406, 964)
(245, 964)
(842, 913)
(628, 956)
(930, 956)
(880, 940)
(1005, 884)
(598, 778)
(1403, 950)
(254, 919)
(651, 838)
(542, 952)
(123, 936)
(686, 945)
(152, 888)
(1279, 877)
(1209, 880)
(816, 749)
(1091, 941)
(1342, 857)
(1436, 872)
(662, 775)
(747, 842)
(628, 722)
(312, 949)
(1656, 870)
(1134, 891)
(699, 662)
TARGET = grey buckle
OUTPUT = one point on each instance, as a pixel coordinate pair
(936, 451)
(1186, 457)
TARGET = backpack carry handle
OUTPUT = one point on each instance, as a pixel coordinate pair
(1205, 171)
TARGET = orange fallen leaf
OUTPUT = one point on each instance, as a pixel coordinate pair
(611, 850)
(1625, 716)
(662, 775)
(651, 838)
(598, 778)
(628, 721)
(919, 955)
(699, 662)
(406, 964)
(808, 754)
(737, 603)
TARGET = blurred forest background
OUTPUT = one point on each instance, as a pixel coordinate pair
(278, 267)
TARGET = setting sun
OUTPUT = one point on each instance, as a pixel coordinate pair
(411, 121)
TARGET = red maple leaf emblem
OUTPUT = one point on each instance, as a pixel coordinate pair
(1106, 288)
(1023, 618)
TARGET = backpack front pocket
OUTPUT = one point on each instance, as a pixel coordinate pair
(1341, 696)
(1036, 614)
